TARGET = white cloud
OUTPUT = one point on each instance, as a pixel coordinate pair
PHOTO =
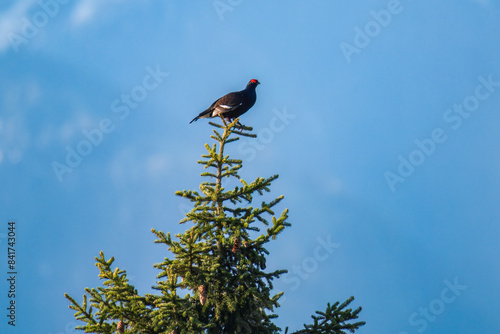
(22, 12)
(14, 138)
(483, 3)
(123, 167)
(157, 165)
(330, 184)
(80, 119)
(10, 20)
(14, 134)
(84, 11)
(129, 165)
(68, 131)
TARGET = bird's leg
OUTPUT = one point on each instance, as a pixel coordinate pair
(238, 124)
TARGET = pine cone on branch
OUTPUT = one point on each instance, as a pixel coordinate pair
(120, 327)
(202, 289)
(236, 244)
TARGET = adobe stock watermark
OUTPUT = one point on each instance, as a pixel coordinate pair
(47, 9)
(223, 6)
(454, 118)
(69, 328)
(301, 272)
(363, 36)
(429, 313)
(278, 122)
(121, 108)
(184, 209)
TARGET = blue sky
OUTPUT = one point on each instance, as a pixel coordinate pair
(381, 118)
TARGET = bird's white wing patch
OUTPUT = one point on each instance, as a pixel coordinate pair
(220, 109)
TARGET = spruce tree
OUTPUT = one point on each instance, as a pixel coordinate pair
(219, 264)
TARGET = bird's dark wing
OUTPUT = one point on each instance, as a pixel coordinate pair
(227, 103)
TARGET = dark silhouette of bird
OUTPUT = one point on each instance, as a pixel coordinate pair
(232, 105)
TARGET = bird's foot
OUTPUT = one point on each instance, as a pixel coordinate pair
(239, 125)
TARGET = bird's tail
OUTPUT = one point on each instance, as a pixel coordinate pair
(203, 114)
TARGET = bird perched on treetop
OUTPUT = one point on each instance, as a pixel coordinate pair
(232, 105)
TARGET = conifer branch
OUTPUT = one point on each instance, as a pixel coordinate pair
(334, 320)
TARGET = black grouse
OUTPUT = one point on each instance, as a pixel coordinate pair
(232, 105)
